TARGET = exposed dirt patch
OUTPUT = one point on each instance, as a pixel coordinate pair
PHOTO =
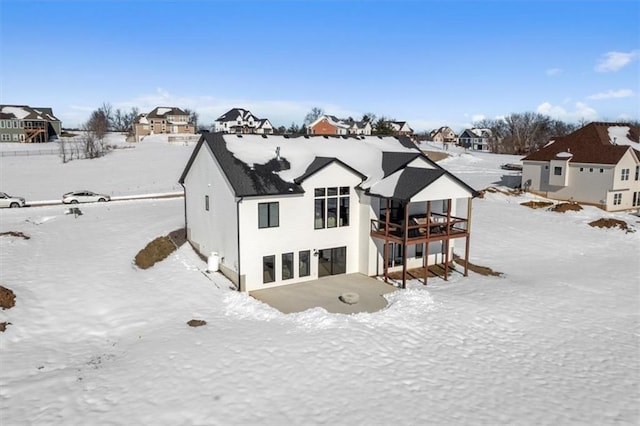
(418, 273)
(196, 323)
(436, 155)
(179, 237)
(482, 270)
(155, 251)
(160, 248)
(611, 223)
(14, 234)
(565, 207)
(493, 190)
(537, 204)
(3, 326)
(7, 298)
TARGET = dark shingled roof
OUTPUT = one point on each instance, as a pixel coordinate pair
(262, 179)
(413, 180)
(171, 111)
(589, 144)
(245, 180)
(393, 161)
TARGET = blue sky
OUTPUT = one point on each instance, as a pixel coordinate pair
(431, 63)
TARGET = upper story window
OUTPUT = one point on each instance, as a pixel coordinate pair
(625, 174)
(331, 207)
(268, 215)
(557, 171)
(637, 172)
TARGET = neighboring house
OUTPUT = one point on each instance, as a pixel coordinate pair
(401, 128)
(162, 120)
(475, 139)
(328, 125)
(238, 120)
(280, 210)
(598, 164)
(444, 134)
(22, 123)
(331, 125)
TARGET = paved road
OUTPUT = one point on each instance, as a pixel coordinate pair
(44, 203)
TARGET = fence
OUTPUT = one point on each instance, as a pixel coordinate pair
(29, 152)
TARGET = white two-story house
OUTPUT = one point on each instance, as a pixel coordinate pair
(238, 120)
(280, 210)
(598, 164)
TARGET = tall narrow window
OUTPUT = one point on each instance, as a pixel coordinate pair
(331, 207)
(304, 267)
(636, 199)
(637, 172)
(419, 250)
(557, 171)
(206, 202)
(268, 269)
(268, 215)
(287, 266)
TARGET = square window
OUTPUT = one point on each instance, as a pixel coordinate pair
(344, 190)
(557, 171)
(591, 170)
(582, 169)
(332, 192)
(601, 170)
(319, 192)
(617, 199)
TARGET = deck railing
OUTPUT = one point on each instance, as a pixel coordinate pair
(421, 228)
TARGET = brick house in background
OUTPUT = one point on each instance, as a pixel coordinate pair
(162, 120)
(22, 123)
(242, 121)
(331, 125)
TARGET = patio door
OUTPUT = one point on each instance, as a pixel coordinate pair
(332, 261)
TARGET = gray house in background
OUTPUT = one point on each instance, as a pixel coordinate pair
(22, 123)
(475, 139)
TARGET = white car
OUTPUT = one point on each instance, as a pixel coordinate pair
(7, 200)
(84, 196)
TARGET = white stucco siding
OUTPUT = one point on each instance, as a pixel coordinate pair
(296, 232)
(558, 172)
(442, 189)
(534, 175)
(626, 188)
(214, 230)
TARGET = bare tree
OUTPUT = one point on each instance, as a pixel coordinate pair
(313, 115)
(193, 117)
(368, 117)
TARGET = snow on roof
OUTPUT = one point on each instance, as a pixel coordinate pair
(163, 111)
(19, 112)
(619, 135)
(364, 154)
(564, 155)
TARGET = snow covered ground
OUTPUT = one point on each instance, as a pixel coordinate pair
(94, 340)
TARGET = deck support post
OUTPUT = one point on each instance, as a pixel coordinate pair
(425, 252)
(405, 235)
(466, 244)
(447, 240)
(386, 242)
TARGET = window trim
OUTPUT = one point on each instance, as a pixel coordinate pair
(308, 263)
(288, 261)
(272, 258)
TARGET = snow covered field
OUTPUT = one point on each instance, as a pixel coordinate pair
(93, 340)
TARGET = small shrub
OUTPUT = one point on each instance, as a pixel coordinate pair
(15, 234)
(155, 251)
(7, 298)
(196, 323)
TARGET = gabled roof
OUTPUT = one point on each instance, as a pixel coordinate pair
(320, 163)
(599, 143)
(25, 112)
(234, 113)
(408, 183)
(161, 112)
(258, 165)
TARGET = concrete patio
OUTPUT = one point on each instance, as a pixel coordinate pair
(325, 293)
